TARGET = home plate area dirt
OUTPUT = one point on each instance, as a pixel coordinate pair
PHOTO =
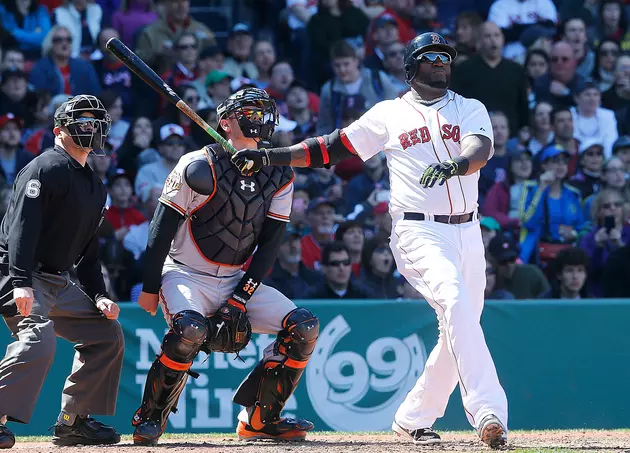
(530, 441)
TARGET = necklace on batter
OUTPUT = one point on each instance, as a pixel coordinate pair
(432, 101)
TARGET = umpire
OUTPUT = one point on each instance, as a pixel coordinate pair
(57, 205)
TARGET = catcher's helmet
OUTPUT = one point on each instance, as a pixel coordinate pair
(425, 42)
(259, 125)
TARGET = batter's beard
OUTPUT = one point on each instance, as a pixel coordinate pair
(441, 84)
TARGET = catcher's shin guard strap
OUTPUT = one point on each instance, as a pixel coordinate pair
(184, 340)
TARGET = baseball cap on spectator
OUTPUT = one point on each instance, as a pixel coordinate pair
(317, 202)
(588, 83)
(589, 142)
(489, 223)
(518, 150)
(7, 117)
(552, 151)
(503, 248)
(171, 129)
(216, 76)
(11, 72)
(240, 28)
(621, 143)
(381, 208)
(345, 226)
(383, 20)
(210, 51)
(293, 231)
(533, 32)
(120, 173)
(285, 124)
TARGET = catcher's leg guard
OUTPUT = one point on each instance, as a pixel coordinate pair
(270, 384)
(168, 374)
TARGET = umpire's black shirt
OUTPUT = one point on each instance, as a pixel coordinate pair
(55, 210)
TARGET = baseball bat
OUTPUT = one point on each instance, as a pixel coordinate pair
(148, 75)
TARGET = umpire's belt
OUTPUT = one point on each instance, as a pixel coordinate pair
(450, 219)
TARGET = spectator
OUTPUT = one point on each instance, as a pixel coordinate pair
(491, 292)
(39, 136)
(173, 115)
(15, 96)
(171, 149)
(561, 85)
(524, 281)
(12, 58)
(27, 23)
(536, 65)
(351, 234)
(604, 70)
(574, 33)
(351, 110)
(350, 79)
(503, 198)
(617, 274)
(541, 132)
(82, 18)
(537, 37)
(112, 73)
(113, 103)
(381, 221)
(613, 23)
(614, 176)
(425, 16)
(394, 67)
(217, 88)
(375, 177)
(12, 157)
(609, 233)
(122, 214)
(321, 220)
(101, 164)
(186, 56)
(551, 211)
(264, 58)
(571, 272)
(319, 181)
(297, 101)
(489, 229)
(137, 148)
(239, 50)
(131, 17)
(618, 96)
(563, 136)
(588, 178)
(57, 72)
(334, 21)
(299, 205)
(499, 83)
(592, 121)
(377, 270)
(155, 41)
(337, 270)
(137, 235)
(402, 12)
(211, 58)
(495, 169)
(289, 275)
(514, 17)
(385, 32)
(466, 24)
(621, 149)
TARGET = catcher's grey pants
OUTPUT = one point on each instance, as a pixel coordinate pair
(61, 308)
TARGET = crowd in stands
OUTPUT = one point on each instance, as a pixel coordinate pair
(554, 76)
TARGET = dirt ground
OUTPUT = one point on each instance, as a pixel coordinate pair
(608, 441)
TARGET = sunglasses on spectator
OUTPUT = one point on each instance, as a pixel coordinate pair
(335, 263)
(432, 57)
(609, 52)
(187, 46)
(58, 39)
(562, 59)
(612, 204)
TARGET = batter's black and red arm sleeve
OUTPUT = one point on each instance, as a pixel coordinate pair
(269, 243)
(32, 192)
(162, 230)
(90, 273)
(316, 152)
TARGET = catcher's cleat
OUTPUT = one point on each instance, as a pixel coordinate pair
(423, 436)
(7, 439)
(287, 429)
(492, 432)
(84, 431)
(147, 432)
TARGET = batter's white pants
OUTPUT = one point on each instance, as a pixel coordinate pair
(446, 264)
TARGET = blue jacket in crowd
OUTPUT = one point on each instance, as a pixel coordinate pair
(45, 75)
(36, 27)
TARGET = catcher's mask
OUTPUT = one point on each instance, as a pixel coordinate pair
(255, 111)
(87, 131)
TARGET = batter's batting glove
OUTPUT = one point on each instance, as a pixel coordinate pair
(249, 161)
(439, 173)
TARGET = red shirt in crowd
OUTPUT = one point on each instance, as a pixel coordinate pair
(124, 217)
(65, 73)
(311, 252)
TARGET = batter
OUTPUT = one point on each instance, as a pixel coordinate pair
(436, 141)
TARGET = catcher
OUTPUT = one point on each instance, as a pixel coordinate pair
(209, 221)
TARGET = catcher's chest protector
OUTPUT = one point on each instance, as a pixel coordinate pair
(227, 226)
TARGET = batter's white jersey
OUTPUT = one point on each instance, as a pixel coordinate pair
(413, 136)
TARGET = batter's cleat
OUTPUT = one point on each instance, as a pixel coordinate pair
(287, 429)
(7, 439)
(422, 436)
(492, 432)
(147, 432)
(84, 431)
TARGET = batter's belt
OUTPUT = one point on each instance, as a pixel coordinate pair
(450, 219)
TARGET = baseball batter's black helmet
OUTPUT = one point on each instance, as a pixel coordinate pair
(425, 42)
(259, 125)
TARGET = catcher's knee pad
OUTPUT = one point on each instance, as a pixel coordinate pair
(270, 384)
(182, 342)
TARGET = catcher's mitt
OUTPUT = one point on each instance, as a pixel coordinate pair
(229, 330)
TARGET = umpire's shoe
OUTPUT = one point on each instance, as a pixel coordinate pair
(287, 429)
(84, 431)
(7, 439)
(423, 436)
(492, 432)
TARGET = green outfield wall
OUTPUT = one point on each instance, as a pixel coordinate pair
(563, 364)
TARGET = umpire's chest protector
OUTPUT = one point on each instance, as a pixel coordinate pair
(226, 227)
